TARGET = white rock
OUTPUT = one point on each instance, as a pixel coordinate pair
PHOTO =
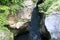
(19, 24)
(52, 22)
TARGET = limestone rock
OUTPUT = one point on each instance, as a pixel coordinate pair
(25, 12)
(52, 22)
(5, 35)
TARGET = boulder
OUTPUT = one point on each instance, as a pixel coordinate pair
(52, 23)
(6, 35)
(18, 28)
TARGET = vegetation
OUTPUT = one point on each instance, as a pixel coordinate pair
(5, 6)
(3, 15)
(54, 7)
(48, 5)
(34, 1)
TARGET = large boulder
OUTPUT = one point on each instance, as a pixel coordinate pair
(6, 35)
(52, 23)
(51, 9)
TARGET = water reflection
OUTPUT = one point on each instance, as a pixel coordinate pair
(35, 25)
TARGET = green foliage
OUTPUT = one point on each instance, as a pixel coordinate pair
(9, 2)
(5, 6)
(13, 4)
(34, 1)
(3, 16)
(14, 8)
(54, 7)
(17, 4)
(45, 6)
(5, 2)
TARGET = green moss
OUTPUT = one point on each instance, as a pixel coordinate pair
(14, 8)
(3, 28)
(34, 1)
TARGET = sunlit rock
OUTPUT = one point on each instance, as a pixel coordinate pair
(17, 25)
(52, 23)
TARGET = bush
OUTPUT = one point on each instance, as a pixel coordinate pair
(54, 7)
(45, 6)
(3, 16)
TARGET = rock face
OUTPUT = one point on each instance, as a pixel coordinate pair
(4, 35)
(25, 12)
(52, 22)
(29, 5)
(23, 15)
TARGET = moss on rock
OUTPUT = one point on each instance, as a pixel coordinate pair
(6, 35)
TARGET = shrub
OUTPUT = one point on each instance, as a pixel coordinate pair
(45, 6)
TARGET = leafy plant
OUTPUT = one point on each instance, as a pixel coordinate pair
(10, 2)
(45, 6)
(54, 7)
(3, 15)
(34, 1)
